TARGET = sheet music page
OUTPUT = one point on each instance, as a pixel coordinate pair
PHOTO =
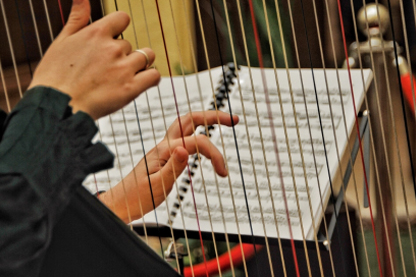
(306, 183)
(154, 113)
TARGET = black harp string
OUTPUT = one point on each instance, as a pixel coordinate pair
(404, 190)
(157, 151)
(198, 9)
(289, 152)
(132, 160)
(340, 170)
(392, 114)
(327, 8)
(276, 150)
(193, 129)
(358, 134)
(386, 153)
(142, 143)
(298, 136)
(235, 138)
(182, 135)
(186, 239)
(369, 117)
(403, 106)
(199, 158)
(297, 129)
(383, 213)
(260, 132)
(145, 161)
(231, 40)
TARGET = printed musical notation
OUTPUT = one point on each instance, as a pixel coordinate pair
(308, 125)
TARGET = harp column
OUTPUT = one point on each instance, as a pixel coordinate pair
(377, 54)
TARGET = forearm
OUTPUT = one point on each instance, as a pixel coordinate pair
(45, 154)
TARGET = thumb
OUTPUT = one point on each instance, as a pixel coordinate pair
(174, 167)
(78, 18)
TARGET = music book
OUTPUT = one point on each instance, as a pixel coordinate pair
(312, 115)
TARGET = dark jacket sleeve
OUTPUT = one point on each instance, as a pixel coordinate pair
(45, 154)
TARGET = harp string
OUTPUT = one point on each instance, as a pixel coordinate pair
(142, 145)
(392, 115)
(247, 131)
(11, 48)
(144, 157)
(259, 129)
(377, 174)
(386, 227)
(198, 9)
(276, 151)
(348, 146)
(407, 133)
(182, 136)
(404, 190)
(61, 12)
(23, 38)
(309, 129)
(334, 133)
(358, 133)
(335, 136)
(36, 28)
(199, 158)
(286, 134)
(4, 87)
(319, 110)
(168, 140)
(222, 144)
(48, 20)
(297, 130)
(235, 141)
(193, 130)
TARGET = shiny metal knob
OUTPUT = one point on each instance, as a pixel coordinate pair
(375, 26)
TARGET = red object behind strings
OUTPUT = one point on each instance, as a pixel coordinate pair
(211, 267)
(408, 90)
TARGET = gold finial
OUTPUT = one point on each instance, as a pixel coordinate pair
(375, 26)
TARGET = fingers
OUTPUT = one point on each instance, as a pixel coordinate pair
(140, 60)
(172, 169)
(202, 145)
(197, 119)
(146, 79)
(114, 23)
(78, 18)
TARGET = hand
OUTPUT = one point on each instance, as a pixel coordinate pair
(100, 73)
(165, 163)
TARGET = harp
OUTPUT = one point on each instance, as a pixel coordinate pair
(373, 211)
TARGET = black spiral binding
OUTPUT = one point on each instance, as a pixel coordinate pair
(222, 91)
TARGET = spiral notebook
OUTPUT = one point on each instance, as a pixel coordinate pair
(312, 113)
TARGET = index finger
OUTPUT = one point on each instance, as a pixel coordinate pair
(192, 120)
